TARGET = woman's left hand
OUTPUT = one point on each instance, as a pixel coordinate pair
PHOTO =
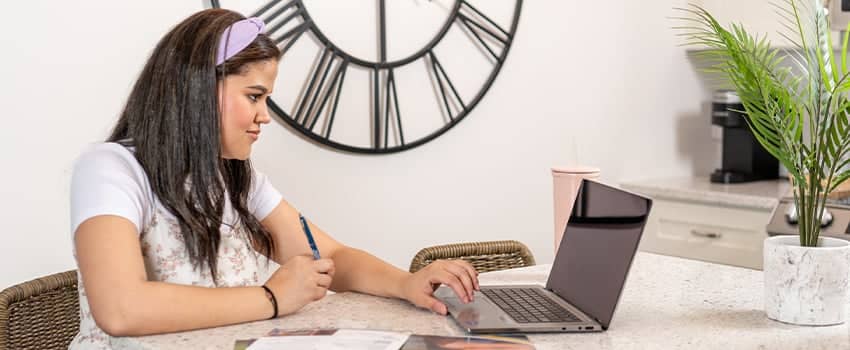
(419, 287)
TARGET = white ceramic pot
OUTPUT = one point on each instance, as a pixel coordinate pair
(806, 285)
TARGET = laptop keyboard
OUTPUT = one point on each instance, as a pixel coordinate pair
(529, 305)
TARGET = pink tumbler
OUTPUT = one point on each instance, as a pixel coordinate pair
(566, 181)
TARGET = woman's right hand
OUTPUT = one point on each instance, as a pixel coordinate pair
(299, 281)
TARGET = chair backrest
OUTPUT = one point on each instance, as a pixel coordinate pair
(484, 256)
(40, 314)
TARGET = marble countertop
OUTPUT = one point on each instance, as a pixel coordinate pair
(668, 303)
(758, 195)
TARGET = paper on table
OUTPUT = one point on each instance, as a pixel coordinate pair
(290, 342)
(343, 339)
(349, 339)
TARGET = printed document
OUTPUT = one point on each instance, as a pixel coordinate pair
(343, 339)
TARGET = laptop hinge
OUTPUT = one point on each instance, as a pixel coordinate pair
(577, 308)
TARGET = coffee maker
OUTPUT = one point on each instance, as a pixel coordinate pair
(743, 158)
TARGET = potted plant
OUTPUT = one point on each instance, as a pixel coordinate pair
(797, 103)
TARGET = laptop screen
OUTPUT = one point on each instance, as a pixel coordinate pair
(597, 248)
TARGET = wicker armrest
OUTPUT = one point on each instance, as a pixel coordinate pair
(484, 256)
(40, 314)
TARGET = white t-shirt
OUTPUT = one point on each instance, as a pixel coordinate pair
(108, 180)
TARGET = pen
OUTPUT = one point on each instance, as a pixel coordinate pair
(309, 237)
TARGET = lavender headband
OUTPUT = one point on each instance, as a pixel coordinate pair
(237, 37)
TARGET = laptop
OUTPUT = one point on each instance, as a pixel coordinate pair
(587, 276)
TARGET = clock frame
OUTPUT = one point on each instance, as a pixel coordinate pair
(326, 82)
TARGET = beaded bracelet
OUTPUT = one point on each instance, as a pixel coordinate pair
(271, 297)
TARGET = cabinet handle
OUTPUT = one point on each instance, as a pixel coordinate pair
(706, 234)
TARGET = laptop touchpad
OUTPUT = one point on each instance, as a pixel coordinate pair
(478, 313)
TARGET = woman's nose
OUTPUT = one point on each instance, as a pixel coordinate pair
(263, 116)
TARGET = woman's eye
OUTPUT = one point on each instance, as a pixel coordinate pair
(254, 98)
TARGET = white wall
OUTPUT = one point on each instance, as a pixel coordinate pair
(757, 16)
(604, 77)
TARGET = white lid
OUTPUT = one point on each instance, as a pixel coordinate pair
(576, 169)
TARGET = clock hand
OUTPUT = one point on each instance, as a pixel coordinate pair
(382, 18)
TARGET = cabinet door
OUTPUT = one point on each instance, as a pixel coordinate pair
(723, 235)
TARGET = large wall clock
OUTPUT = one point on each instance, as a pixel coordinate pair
(377, 76)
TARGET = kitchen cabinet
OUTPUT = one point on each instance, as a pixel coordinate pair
(693, 218)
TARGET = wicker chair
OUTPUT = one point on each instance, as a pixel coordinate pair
(484, 256)
(40, 314)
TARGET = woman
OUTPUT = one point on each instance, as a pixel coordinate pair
(173, 228)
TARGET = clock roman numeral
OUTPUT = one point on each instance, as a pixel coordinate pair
(269, 15)
(440, 76)
(483, 29)
(311, 95)
(308, 112)
(376, 109)
(269, 5)
(388, 91)
(339, 79)
(391, 98)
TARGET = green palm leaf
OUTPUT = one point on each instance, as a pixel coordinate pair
(798, 112)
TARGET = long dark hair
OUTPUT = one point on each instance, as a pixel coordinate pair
(172, 120)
